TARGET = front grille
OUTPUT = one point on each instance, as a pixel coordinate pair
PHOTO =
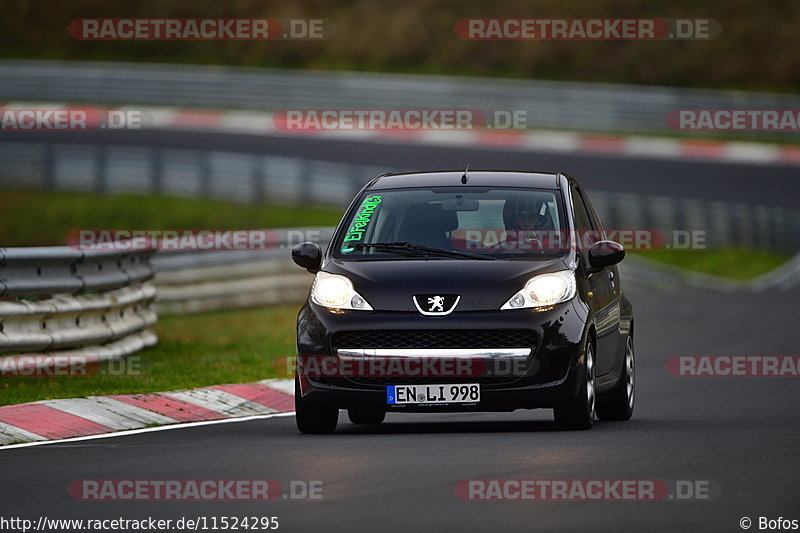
(435, 338)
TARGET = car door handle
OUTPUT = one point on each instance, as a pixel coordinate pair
(611, 275)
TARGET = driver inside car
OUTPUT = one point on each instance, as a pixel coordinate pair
(527, 223)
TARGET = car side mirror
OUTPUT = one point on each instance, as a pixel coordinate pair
(308, 255)
(603, 254)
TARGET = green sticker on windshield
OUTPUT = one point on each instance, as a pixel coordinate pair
(360, 222)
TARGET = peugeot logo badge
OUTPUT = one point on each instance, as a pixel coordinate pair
(436, 304)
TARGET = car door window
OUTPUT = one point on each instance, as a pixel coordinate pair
(593, 217)
(581, 218)
(587, 225)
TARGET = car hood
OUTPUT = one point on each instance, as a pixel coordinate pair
(389, 285)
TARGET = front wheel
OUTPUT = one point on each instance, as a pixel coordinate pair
(579, 412)
(618, 404)
(312, 419)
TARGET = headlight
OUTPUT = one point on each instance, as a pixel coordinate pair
(544, 290)
(336, 292)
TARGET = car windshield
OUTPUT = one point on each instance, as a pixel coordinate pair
(454, 222)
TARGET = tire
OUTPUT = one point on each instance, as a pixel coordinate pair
(618, 404)
(579, 413)
(312, 419)
(358, 416)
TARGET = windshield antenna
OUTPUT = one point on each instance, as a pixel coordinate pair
(464, 178)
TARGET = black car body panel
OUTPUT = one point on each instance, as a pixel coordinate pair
(557, 335)
(483, 285)
(556, 343)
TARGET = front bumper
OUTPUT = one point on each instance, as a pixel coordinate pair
(548, 376)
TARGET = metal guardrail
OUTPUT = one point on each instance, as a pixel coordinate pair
(69, 322)
(235, 286)
(190, 282)
(46, 270)
(59, 298)
(279, 243)
(244, 177)
(549, 104)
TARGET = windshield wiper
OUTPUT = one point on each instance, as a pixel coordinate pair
(408, 246)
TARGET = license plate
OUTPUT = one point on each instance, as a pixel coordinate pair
(411, 394)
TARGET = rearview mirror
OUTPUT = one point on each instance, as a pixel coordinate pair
(308, 255)
(605, 253)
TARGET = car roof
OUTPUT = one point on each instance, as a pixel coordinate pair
(476, 178)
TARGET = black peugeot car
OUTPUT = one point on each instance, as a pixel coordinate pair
(465, 291)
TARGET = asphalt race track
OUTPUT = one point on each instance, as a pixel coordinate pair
(772, 185)
(741, 434)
